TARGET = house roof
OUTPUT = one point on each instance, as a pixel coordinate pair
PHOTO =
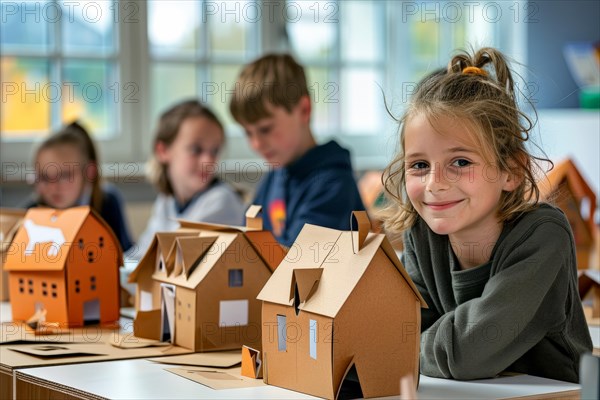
(190, 253)
(50, 224)
(323, 265)
(567, 171)
(588, 278)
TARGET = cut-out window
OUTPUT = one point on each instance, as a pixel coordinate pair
(281, 333)
(236, 277)
(80, 243)
(101, 241)
(313, 339)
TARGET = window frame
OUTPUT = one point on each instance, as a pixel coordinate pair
(125, 155)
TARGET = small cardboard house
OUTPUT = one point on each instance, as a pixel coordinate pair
(197, 286)
(566, 188)
(10, 220)
(589, 289)
(340, 301)
(64, 263)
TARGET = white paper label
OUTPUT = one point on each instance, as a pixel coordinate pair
(233, 313)
(145, 300)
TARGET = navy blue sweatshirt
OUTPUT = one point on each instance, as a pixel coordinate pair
(318, 189)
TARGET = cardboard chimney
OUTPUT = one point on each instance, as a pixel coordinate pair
(340, 302)
(197, 286)
(567, 189)
(64, 264)
(10, 220)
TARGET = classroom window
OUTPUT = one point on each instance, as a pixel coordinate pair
(118, 65)
(59, 63)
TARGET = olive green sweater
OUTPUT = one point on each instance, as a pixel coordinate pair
(519, 312)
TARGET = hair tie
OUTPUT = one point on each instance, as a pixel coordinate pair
(474, 71)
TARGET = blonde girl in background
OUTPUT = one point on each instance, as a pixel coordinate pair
(187, 145)
(496, 267)
(68, 175)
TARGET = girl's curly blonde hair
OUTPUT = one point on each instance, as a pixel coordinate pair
(479, 90)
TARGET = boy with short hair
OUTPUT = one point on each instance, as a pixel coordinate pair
(310, 183)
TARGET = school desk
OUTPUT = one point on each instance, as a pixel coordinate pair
(87, 339)
(143, 379)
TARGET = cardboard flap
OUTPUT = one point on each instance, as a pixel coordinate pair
(364, 226)
(267, 247)
(311, 249)
(251, 364)
(391, 253)
(216, 359)
(307, 280)
(46, 234)
(170, 258)
(190, 251)
(147, 324)
(217, 379)
(253, 219)
(166, 241)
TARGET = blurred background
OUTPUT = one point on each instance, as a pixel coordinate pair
(116, 65)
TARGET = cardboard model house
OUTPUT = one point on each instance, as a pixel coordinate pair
(566, 188)
(340, 302)
(64, 264)
(197, 286)
(10, 220)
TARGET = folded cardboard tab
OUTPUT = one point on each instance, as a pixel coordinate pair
(216, 359)
(217, 379)
(251, 363)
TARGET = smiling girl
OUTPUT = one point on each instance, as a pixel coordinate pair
(497, 268)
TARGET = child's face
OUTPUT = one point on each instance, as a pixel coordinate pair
(449, 183)
(281, 138)
(60, 176)
(192, 157)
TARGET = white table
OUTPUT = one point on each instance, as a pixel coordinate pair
(142, 379)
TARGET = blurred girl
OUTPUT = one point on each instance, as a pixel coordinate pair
(187, 145)
(67, 175)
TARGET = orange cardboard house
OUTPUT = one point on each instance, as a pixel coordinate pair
(197, 286)
(64, 263)
(10, 220)
(567, 189)
(340, 301)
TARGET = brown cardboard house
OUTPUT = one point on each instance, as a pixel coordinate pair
(10, 220)
(566, 188)
(197, 286)
(340, 301)
(64, 264)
